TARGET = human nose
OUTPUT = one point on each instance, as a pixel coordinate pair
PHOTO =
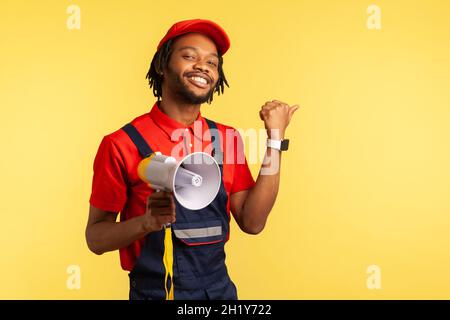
(201, 65)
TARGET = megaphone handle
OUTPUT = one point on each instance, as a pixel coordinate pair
(167, 225)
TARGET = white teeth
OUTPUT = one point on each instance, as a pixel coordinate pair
(198, 79)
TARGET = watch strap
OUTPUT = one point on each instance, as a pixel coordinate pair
(281, 145)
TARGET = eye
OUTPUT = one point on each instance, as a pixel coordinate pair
(188, 57)
(212, 63)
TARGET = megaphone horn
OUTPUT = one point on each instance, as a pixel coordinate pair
(195, 180)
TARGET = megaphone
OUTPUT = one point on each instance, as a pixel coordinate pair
(194, 181)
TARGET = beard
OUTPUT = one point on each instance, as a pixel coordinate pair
(181, 90)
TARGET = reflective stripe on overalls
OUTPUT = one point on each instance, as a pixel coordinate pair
(198, 236)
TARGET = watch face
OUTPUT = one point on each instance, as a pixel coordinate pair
(284, 144)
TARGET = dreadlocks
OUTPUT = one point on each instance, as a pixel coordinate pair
(161, 59)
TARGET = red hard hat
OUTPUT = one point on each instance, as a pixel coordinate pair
(206, 27)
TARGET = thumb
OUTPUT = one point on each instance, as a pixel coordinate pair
(292, 110)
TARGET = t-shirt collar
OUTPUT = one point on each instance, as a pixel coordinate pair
(168, 125)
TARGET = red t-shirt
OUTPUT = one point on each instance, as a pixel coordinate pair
(116, 186)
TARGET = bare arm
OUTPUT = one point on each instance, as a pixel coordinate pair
(104, 234)
(251, 208)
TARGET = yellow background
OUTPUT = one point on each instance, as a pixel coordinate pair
(365, 182)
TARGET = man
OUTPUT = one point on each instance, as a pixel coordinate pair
(185, 72)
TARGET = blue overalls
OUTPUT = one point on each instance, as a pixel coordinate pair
(199, 237)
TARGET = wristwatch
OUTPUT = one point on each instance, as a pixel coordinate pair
(281, 145)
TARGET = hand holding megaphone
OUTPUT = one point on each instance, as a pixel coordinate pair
(160, 211)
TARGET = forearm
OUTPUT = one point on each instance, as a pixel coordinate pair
(262, 196)
(107, 236)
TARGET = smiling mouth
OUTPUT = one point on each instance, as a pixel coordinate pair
(198, 81)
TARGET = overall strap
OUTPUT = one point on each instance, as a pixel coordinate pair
(138, 140)
(215, 138)
(145, 151)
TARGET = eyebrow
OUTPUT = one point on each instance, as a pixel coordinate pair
(195, 49)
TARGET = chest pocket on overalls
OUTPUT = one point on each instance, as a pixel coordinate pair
(199, 233)
(200, 248)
